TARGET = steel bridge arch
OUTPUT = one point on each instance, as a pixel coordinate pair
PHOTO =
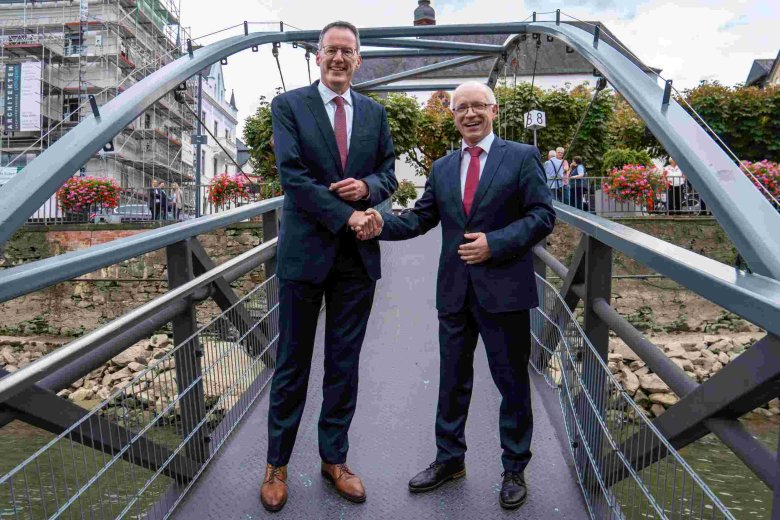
(742, 211)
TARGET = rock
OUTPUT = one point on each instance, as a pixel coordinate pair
(685, 364)
(724, 345)
(630, 380)
(64, 393)
(675, 350)
(705, 363)
(613, 367)
(774, 410)
(136, 367)
(618, 347)
(78, 383)
(702, 374)
(710, 339)
(723, 358)
(11, 368)
(144, 397)
(103, 393)
(82, 394)
(708, 354)
(693, 355)
(160, 340)
(642, 371)
(7, 357)
(653, 384)
(641, 399)
(763, 412)
(774, 403)
(116, 376)
(691, 346)
(716, 367)
(664, 399)
(617, 358)
(657, 410)
(136, 353)
(636, 365)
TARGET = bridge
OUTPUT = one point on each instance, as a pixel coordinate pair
(185, 438)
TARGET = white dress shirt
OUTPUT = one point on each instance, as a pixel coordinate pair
(327, 96)
(465, 158)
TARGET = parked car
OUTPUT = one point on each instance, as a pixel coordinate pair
(124, 213)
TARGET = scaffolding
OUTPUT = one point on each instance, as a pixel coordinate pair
(100, 48)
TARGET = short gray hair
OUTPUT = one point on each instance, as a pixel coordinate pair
(340, 24)
(551, 154)
(488, 91)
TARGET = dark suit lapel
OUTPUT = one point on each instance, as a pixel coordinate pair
(357, 111)
(314, 101)
(452, 182)
(494, 158)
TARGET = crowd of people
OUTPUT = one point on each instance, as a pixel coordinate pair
(567, 181)
(165, 204)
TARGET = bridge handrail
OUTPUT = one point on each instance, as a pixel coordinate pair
(752, 296)
(27, 278)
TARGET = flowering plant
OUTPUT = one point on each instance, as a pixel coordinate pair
(765, 173)
(88, 193)
(635, 183)
(225, 187)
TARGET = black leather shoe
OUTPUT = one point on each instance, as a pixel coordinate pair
(513, 490)
(435, 475)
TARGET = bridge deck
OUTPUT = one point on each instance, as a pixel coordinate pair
(392, 434)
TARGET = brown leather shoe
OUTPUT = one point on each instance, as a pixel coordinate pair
(347, 484)
(273, 492)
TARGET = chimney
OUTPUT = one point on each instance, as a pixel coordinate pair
(424, 14)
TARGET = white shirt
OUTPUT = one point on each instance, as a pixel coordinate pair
(465, 158)
(327, 96)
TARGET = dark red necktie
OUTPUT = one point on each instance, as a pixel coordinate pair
(472, 177)
(340, 129)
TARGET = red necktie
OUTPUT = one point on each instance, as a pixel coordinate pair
(340, 128)
(472, 177)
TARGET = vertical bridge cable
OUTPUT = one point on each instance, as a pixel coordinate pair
(275, 52)
(600, 85)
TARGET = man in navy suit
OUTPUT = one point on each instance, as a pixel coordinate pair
(493, 205)
(335, 158)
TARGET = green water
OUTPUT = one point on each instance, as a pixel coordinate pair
(120, 487)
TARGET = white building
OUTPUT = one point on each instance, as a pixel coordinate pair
(220, 116)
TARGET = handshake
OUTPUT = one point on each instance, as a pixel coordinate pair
(366, 224)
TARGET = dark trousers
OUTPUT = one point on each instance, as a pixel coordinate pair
(507, 340)
(349, 294)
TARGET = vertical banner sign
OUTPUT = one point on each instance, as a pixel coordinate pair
(30, 97)
(11, 102)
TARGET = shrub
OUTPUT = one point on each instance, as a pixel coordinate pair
(80, 194)
(635, 183)
(225, 188)
(619, 157)
(765, 173)
(405, 193)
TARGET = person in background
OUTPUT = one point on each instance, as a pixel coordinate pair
(578, 184)
(553, 170)
(674, 194)
(559, 153)
(175, 200)
(158, 201)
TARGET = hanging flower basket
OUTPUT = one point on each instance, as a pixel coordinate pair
(81, 194)
(226, 188)
(766, 174)
(636, 183)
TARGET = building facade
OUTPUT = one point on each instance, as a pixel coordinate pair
(220, 117)
(54, 54)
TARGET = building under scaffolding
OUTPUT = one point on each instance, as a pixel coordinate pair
(55, 53)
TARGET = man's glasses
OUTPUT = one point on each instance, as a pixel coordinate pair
(476, 107)
(346, 52)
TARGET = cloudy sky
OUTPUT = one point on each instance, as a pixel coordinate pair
(691, 40)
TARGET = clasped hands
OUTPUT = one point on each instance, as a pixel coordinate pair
(366, 224)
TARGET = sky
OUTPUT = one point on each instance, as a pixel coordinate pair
(690, 40)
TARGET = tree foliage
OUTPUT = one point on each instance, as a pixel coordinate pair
(258, 136)
(619, 157)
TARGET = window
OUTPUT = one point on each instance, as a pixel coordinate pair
(216, 128)
(227, 134)
(147, 120)
(215, 167)
(203, 117)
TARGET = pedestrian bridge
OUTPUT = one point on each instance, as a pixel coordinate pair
(185, 438)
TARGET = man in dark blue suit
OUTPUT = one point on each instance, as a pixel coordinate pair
(493, 205)
(335, 158)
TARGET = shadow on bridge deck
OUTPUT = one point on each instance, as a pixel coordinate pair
(392, 434)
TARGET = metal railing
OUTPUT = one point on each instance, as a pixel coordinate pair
(598, 416)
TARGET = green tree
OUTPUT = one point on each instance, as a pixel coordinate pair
(258, 136)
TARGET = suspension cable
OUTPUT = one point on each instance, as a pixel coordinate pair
(308, 64)
(275, 52)
(600, 85)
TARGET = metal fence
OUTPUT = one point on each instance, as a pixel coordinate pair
(137, 452)
(599, 416)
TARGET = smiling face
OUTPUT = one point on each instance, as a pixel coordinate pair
(336, 71)
(473, 125)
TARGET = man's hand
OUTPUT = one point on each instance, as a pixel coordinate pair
(366, 232)
(350, 189)
(475, 252)
(361, 223)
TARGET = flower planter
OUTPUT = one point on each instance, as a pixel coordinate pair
(608, 207)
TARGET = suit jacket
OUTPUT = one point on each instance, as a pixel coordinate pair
(313, 218)
(512, 206)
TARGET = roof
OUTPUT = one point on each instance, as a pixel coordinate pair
(759, 72)
(553, 58)
(242, 152)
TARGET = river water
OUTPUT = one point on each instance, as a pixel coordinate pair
(736, 486)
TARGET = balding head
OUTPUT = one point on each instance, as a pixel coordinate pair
(473, 86)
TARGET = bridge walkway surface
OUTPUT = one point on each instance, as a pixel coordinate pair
(392, 434)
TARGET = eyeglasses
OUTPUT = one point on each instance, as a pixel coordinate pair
(476, 107)
(346, 52)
